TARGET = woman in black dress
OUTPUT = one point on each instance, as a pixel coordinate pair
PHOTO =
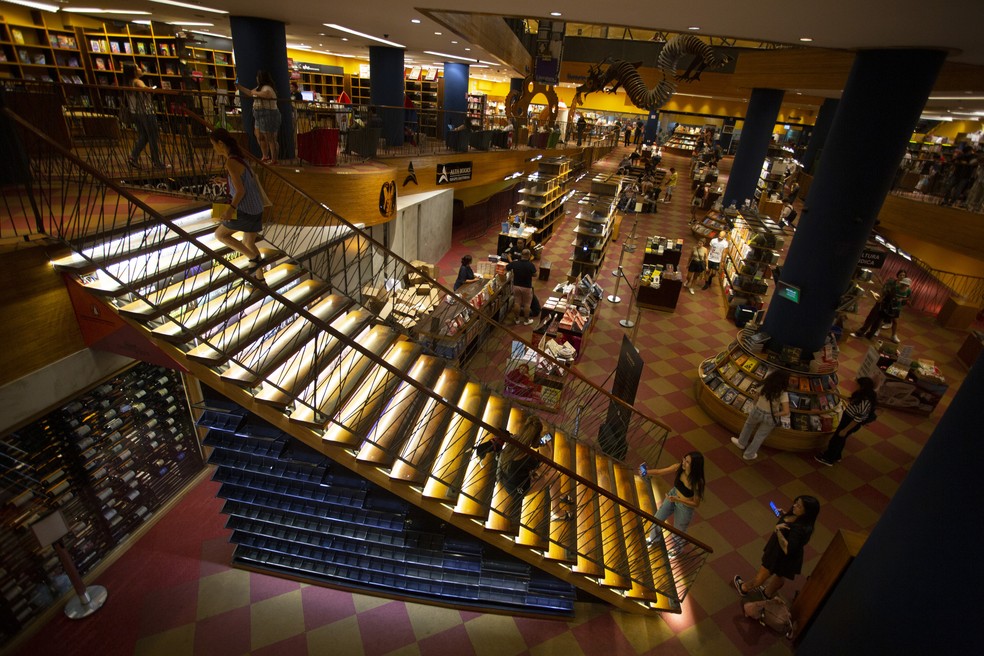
(782, 557)
(465, 273)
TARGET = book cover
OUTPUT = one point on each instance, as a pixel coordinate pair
(741, 359)
(23, 57)
(73, 62)
(745, 384)
(794, 382)
(53, 41)
(800, 422)
(822, 402)
(76, 79)
(806, 402)
(729, 395)
(3, 56)
(39, 59)
(100, 63)
(815, 423)
(794, 400)
(17, 36)
(804, 384)
(94, 45)
(127, 48)
(750, 365)
(165, 84)
(816, 385)
(739, 401)
(141, 48)
(749, 404)
(114, 47)
(163, 49)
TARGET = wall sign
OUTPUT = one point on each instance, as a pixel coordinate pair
(872, 258)
(453, 172)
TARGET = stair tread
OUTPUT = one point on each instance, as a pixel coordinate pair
(381, 441)
(589, 552)
(455, 450)
(431, 421)
(500, 517)
(281, 385)
(267, 353)
(477, 488)
(225, 344)
(155, 237)
(207, 315)
(612, 536)
(365, 403)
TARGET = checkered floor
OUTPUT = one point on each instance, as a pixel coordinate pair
(173, 593)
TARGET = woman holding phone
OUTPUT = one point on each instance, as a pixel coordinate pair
(782, 557)
(683, 498)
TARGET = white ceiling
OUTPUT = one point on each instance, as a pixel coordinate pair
(954, 25)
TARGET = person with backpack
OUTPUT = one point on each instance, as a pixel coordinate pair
(895, 294)
(860, 410)
(782, 557)
(519, 472)
(770, 407)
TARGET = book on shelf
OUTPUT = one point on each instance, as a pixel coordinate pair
(53, 40)
(750, 365)
(815, 422)
(804, 384)
(822, 402)
(39, 59)
(826, 423)
(3, 56)
(745, 384)
(794, 382)
(100, 63)
(747, 407)
(114, 46)
(17, 36)
(794, 400)
(73, 62)
(739, 401)
(816, 385)
(740, 360)
(141, 48)
(729, 394)
(23, 57)
(127, 48)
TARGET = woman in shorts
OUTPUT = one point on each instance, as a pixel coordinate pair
(245, 211)
(266, 116)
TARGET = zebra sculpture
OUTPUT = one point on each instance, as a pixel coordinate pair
(624, 73)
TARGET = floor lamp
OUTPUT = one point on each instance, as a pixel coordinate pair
(49, 532)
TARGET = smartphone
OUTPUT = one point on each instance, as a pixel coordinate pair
(775, 509)
(546, 438)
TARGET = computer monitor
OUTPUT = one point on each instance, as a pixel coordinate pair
(307, 95)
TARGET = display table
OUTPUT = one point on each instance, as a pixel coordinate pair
(666, 295)
(914, 388)
(533, 379)
(319, 146)
(452, 329)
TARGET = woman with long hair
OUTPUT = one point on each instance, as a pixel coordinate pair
(697, 265)
(685, 495)
(859, 411)
(519, 472)
(770, 407)
(266, 115)
(782, 557)
(245, 212)
(144, 120)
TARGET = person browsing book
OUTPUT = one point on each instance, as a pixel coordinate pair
(770, 407)
(860, 410)
(715, 253)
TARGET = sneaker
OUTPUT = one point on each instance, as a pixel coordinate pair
(527, 322)
(857, 335)
(737, 443)
(823, 461)
(749, 458)
(691, 289)
(895, 338)
(738, 583)
(517, 321)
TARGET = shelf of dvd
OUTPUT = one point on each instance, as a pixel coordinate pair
(543, 197)
(107, 459)
(597, 221)
(730, 382)
(755, 244)
(660, 282)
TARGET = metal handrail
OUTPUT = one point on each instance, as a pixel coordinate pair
(215, 256)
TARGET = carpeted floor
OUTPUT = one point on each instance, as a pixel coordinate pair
(173, 593)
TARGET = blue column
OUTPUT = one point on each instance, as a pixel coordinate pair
(261, 44)
(455, 93)
(875, 607)
(756, 135)
(825, 118)
(885, 93)
(386, 90)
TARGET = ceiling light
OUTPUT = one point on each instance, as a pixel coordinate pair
(143, 22)
(35, 5)
(455, 42)
(182, 23)
(556, 13)
(806, 39)
(186, 5)
(93, 10)
(693, 27)
(438, 33)
(444, 54)
(203, 32)
(415, 21)
(344, 38)
(364, 36)
(467, 49)
(957, 97)
(299, 46)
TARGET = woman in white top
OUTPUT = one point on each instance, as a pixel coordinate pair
(266, 116)
(771, 406)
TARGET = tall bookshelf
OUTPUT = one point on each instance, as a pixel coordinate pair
(596, 218)
(423, 90)
(216, 69)
(754, 247)
(477, 106)
(328, 85)
(543, 196)
(361, 92)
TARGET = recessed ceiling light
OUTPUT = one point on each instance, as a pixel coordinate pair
(556, 13)
(364, 36)
(693, 27)
(415, 20)
(467, 49)
(95, 10)
(321, 34)
(186, 5)
(438, 33)
(344, 38)
(455, 42)
(805, 39)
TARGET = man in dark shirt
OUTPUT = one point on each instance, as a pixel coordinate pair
(513, 253)
(523, 271)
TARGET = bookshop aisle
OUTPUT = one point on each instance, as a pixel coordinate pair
(174, 593)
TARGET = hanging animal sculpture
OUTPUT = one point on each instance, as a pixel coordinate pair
(624, 73)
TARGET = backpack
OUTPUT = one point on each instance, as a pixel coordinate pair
(773, 613)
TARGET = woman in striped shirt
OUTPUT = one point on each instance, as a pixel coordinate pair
(245, 211)
(860, 410)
